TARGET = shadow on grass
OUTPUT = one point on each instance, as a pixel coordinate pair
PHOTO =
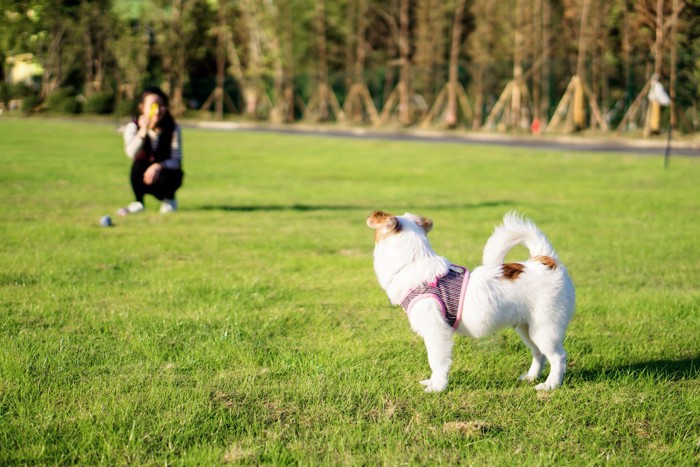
(337, 207)
(669, 370)
(657, 370)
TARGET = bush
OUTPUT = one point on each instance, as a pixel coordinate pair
(19, 90)
(4, 93)
(126, 108)
(102, 103)
(30, 104)
(63, 101)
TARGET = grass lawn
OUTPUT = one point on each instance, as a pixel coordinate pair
(248, 327)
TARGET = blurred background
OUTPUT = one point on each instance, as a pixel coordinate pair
(508, 65)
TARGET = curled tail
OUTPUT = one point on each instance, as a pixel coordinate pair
(514, 231)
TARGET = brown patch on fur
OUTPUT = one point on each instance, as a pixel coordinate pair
(511, 271)
(384, 224)
(548, 261)
(423, 222)
(377, 219)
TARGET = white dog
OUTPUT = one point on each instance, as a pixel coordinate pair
(536, 297)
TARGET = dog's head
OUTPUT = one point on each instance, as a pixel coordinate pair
(386, 225)
(402, 248)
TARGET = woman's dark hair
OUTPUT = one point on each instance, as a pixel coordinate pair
(158, 92)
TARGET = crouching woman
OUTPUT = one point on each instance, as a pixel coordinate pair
(154, 143)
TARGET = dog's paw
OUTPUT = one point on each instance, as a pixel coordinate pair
(527, 377)
(546, 386)
(434, 386)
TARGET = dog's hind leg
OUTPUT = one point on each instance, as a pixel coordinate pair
(533, 373)
(556, 355)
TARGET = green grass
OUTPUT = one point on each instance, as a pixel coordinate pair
(249, 328)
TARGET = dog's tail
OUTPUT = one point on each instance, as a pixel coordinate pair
(514, 231)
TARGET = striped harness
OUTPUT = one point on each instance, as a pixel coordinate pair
(448, 291)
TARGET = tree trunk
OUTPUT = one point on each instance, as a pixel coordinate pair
(52, 61)
(674, 62)
(652, 123)
(597, 59)
(220, 61)
(323, 111)
(430, 38)
(537, 50)
(451, 111)
(582, 39)
(404, 87)
(179, 62)
(352, 19)
(546, 63)
(359, 69)
(254, 70)
(358, 95)
(289, 60)
(658, 44)
(516, 97)
(88, 49)
(282, 105)
(579, 108)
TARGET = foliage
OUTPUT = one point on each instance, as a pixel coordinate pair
(63, 100)
(119, 45)
(126, 107)
(30, 103)
(102, 103)
(249, 328)
(17, 90)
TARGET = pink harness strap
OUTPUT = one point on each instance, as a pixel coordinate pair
(448, 291)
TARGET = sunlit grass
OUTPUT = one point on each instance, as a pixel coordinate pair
(248, 327)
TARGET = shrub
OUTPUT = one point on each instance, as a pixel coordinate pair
(63, 101)
(30, 103)
(4, 93)
(102, 103)
(19, 90)
(126, 107)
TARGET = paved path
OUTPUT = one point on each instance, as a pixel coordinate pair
(567, 143)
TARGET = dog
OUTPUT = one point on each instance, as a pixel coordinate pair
(535, 297)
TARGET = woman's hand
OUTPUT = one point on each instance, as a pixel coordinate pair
(152, 112)
(151, 174)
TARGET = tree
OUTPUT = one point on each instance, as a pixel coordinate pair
(222, 34)
(323, 100)
(453, 90)
(41, 27)
(431, 33)
(17, 26)
(572, 105)
(512, 103)
(176, 26)
(282, 58)
(57, 25)
(662, 18)
(358, 100)
(131, 50)
(95, 28)
(402, 97)
(490, 45)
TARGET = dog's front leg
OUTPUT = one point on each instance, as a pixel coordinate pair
(426, 320)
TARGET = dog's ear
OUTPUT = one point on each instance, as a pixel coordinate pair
(382, 220)
(425, 223)
(422, 222)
